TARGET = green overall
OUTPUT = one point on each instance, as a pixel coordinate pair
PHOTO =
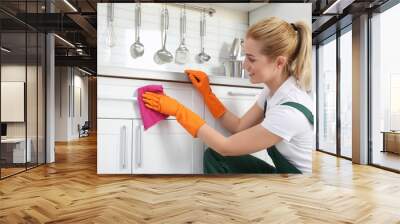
(215, 163)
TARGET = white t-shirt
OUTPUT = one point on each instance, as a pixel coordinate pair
(289, 123)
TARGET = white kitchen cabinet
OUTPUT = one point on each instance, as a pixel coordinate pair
(114, 146)
(166, 149)
(237, 100)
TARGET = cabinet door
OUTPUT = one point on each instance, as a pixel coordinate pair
(114, 146)
(165, 148)
(238, 101)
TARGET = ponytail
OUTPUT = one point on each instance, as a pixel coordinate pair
(300, 65)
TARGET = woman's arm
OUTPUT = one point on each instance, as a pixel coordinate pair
(228, 120)
(235, 124)
(245, 142)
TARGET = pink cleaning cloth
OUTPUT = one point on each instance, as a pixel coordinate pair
(149, 116)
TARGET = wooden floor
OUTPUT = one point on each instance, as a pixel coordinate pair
(70, 191)
(387, 159)
(10, 171)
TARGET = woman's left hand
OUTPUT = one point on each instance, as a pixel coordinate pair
(161, 103)
(167, 105)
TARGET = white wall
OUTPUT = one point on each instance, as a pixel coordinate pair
(62, 80)
(79, 117)
(222, 28)
(15, 72)
(66, 101)
(290, 12)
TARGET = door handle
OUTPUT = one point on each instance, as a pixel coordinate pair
(139, 152)
(231, 93)
(123, 146)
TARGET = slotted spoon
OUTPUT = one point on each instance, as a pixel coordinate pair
(182, 52)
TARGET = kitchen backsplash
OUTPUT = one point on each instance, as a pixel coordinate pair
(222, 28)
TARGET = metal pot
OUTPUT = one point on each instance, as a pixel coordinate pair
(234, 68)
(236, 49)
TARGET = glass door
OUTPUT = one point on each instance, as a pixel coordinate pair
(13, 103)
(326, 104)
(385, 89)
(22, 77)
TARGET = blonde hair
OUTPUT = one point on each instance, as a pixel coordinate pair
(279, 38)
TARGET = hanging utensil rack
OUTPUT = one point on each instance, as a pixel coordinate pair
(209, 11)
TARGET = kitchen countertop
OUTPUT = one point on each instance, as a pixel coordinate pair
(118, 72)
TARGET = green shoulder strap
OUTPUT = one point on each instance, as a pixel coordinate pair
(302, 109)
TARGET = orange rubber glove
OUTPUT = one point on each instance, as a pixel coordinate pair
(199, 80)
(167, 105)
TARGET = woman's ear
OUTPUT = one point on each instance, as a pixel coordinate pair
(280, 62)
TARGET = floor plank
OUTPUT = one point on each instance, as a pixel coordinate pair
(70, 191)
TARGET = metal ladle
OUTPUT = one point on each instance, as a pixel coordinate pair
(137, 48)
(182, 53)
(202, 56)
(163, 56)
(110, 41)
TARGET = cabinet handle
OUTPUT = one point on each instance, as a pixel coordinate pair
(139, 153)
(123, 146)
(231, 93)
(118, 98)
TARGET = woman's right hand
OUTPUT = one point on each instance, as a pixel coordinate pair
(199, 80)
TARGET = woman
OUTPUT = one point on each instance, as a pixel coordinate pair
(278, 54)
